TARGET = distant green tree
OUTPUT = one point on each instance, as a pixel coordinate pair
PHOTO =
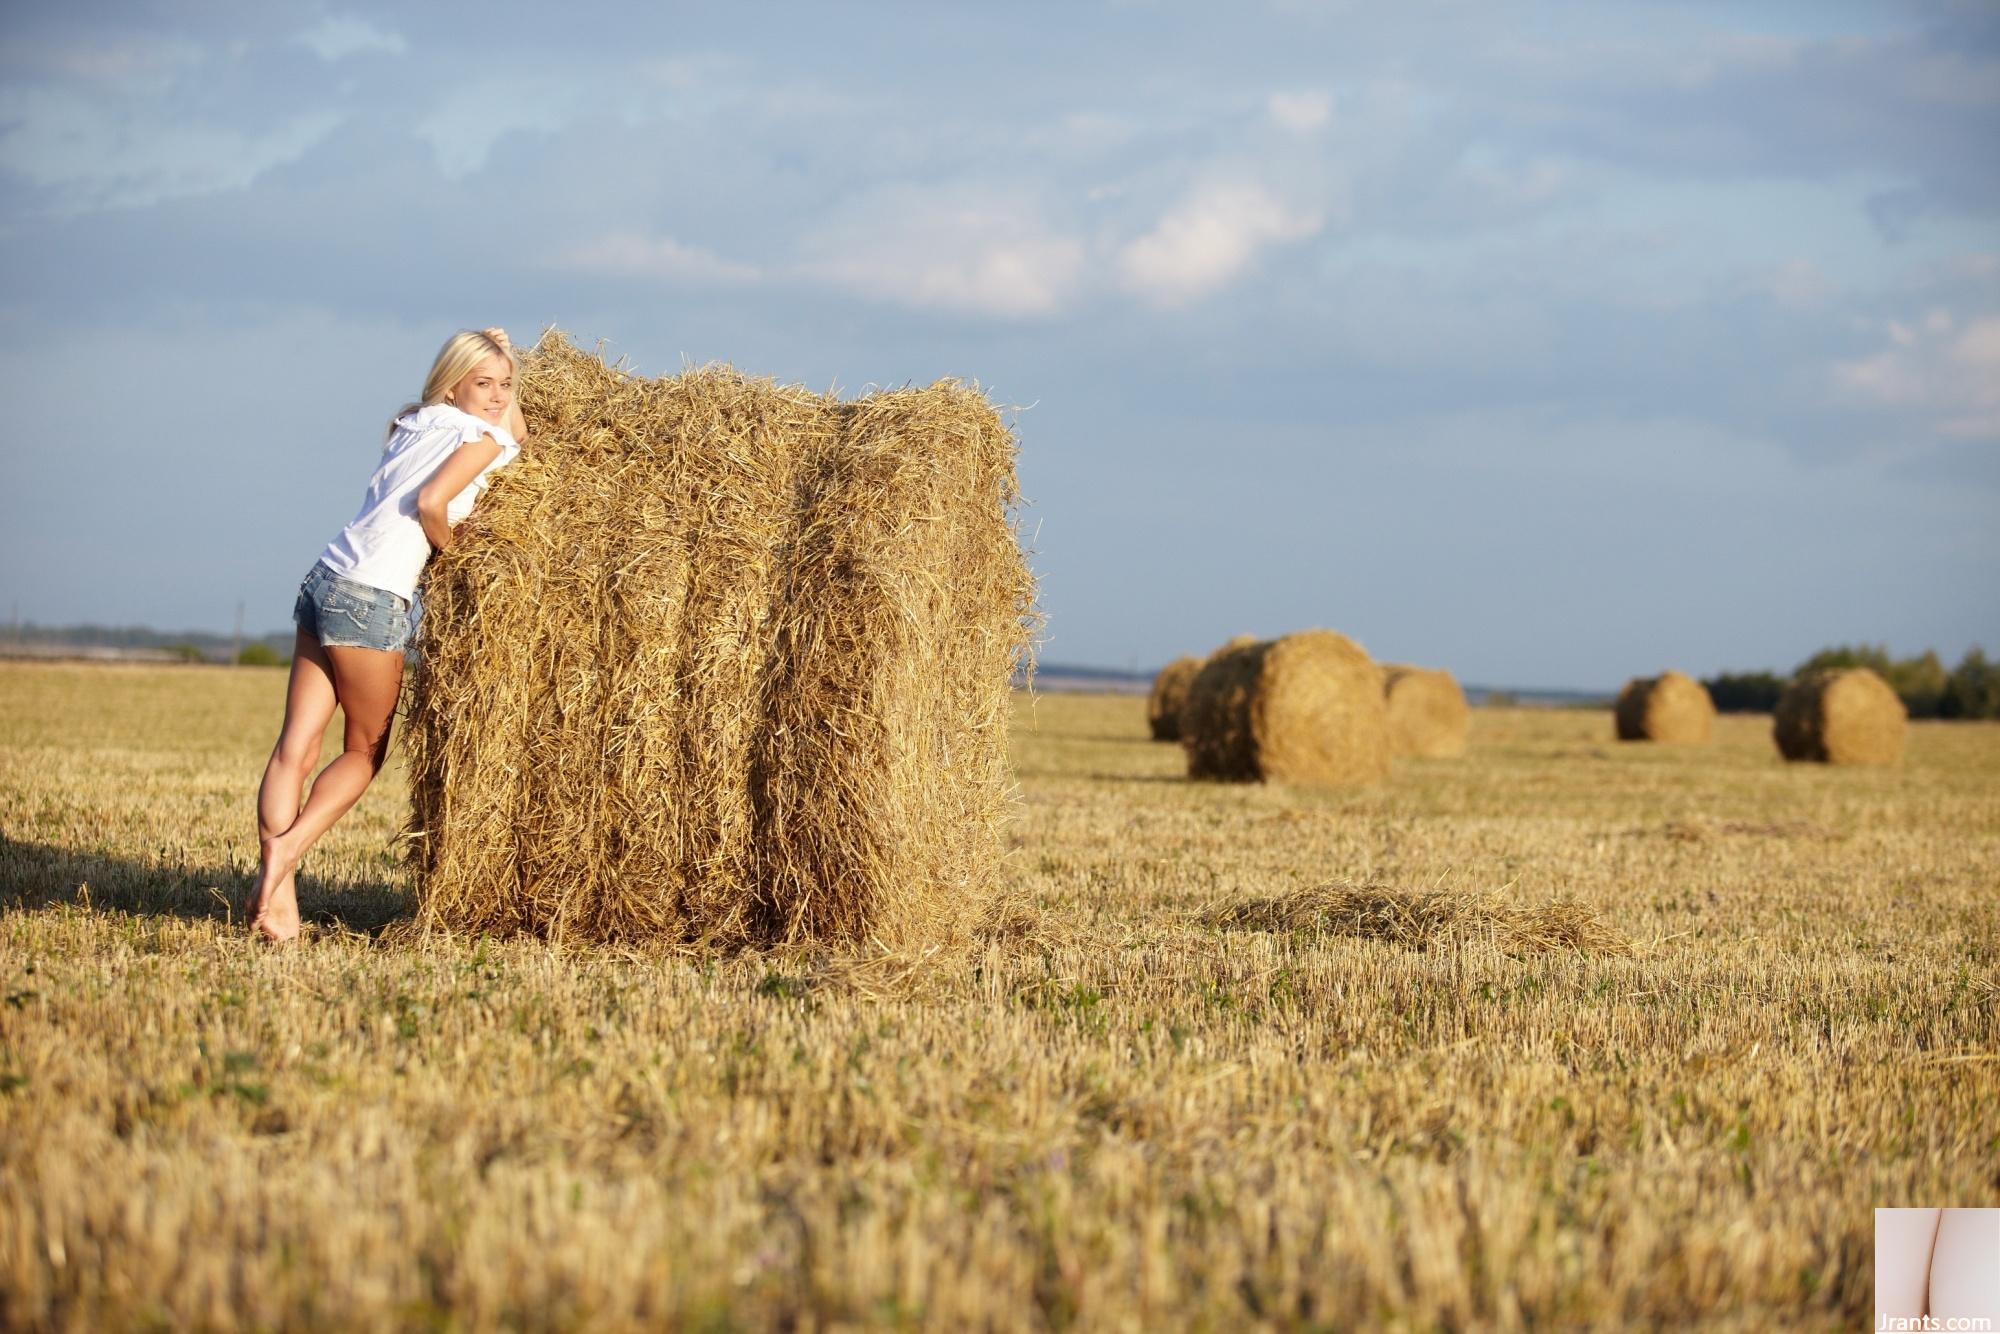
(185, 652)
(1875, 657)
(1921, 681)
(1745, 692)
(258, 654)
(1974, 688)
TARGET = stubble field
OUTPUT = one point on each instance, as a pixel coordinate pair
(1179, 1084)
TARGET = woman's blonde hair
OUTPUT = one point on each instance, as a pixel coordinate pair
(461, 353)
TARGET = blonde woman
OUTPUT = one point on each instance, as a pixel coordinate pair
(353, 610)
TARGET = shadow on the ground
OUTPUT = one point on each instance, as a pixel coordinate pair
(38, 875)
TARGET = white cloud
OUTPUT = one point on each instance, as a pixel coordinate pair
(1975, 356)
(126, 65)
(631, 255)
(1978, 348)
(969, 249)
(463, 127)
(1498, 189)
(1889, 379)
(338, 36)
(1208, 240)
(1301, 113)
(1941, 369)
(93, 152)
(1798, 283)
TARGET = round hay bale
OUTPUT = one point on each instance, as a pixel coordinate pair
(1303, 709)
(1427, 711)
(1840, 715)
(1170, 687)
(1671, 707)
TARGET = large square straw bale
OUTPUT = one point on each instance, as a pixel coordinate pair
(717, 660)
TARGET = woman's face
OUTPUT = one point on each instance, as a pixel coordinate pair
(486, 390)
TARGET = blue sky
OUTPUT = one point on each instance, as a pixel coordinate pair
(1552, 344)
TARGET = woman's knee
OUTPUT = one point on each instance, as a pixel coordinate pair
(375, 749)
(297, 752)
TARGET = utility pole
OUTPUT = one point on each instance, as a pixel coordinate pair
(236, 643)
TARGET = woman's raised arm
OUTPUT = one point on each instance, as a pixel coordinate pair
(453, 476)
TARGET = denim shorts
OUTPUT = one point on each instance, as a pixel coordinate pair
(343, 614)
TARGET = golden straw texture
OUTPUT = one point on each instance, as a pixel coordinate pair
(1427, 711)
(1671, 707)
(722, 661)
(1303, 709)
(1841, 716)
(1170, 688)
(1421, 918)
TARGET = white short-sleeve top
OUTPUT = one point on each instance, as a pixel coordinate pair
(384, 545)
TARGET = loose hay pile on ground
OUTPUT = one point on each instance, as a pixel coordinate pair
(720, 660)
(1422, 918)
(1427, 711)
(1170, 687)
(1841, 716)
(1303, 709)
(1671, 707)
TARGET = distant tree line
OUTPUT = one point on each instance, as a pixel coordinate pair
(1969, 690)
(188, 645)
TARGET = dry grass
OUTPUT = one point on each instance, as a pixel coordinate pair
(1114, 1112)
(1423, 918)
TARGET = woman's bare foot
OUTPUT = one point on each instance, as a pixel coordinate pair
(274, 901)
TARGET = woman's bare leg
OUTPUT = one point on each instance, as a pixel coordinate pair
(367, 683)
(309, 704)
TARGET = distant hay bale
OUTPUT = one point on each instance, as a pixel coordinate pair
(1422, 918)
(1170, 687)
(1303, 709)
(721, 661)
(1671, 707)
(1427, 711)
(1841, 715)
